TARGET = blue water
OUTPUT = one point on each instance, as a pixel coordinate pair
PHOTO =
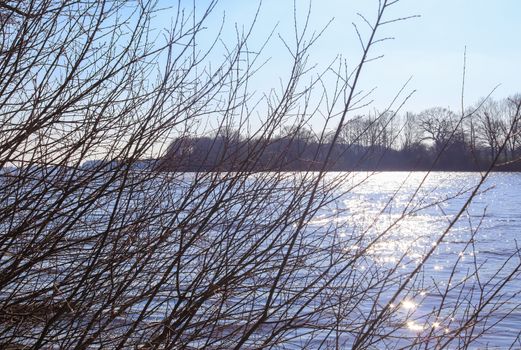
(464, 245)
(430, 260)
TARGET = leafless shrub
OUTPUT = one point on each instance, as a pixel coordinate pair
(99, 248)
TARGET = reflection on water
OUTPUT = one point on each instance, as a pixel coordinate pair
(400, 218)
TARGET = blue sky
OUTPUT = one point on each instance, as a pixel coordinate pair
(429, 49)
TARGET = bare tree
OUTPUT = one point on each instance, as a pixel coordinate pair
(438, 125)
(490, 127)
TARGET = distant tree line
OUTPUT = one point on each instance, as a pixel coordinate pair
(434, 139)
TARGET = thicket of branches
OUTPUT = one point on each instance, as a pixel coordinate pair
(98, 249)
